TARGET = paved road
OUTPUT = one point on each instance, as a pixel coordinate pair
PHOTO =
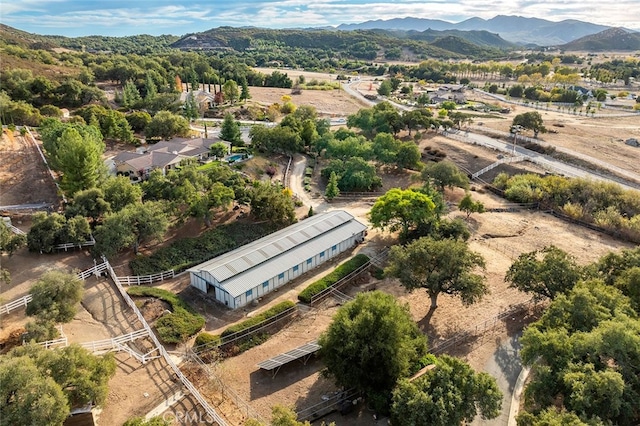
(544, 161)
(505, 366)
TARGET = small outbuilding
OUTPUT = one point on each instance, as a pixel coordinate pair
(255, 269)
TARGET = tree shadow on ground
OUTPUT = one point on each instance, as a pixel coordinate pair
(507, 357)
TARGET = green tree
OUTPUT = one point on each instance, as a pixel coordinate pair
(10, 242)
(244, 94)
(89, 203)
(49, 230)
(582, 351)
(138, 120)
(153, 421)
(56, 296)
(130, 96)
(370, 344)
(445, 174)
(230, 130)
(449, 394)
(545, 273)
(550, 417)
(166, 125)
(332, 189)
(385, 148)
(230, 91)
(354, 174)
(119, 192)
(82, 376)
(190, 107)
(28, 397)
(439, 266)
(531, 120)
(402, 210)
(417, 119)
(469, 206)
(385, 88)
(77, 154)
(272, 203)
(408, 156)
(131, 227)
(218, 150)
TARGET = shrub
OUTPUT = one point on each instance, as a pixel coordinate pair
(269, 313)
(325, 282)
(188, 252)
(207, 339)
(180, 324)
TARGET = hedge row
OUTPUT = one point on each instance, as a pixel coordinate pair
(179, 324)
(269, 313)
(340, 272)
(187, 252)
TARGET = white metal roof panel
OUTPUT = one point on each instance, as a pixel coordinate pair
(273, 245)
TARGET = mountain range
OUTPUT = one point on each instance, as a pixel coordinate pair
(516, 29)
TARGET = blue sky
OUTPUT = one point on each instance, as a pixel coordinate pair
(119, 18)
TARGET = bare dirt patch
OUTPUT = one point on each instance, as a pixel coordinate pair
(24, 179)
(327, 102)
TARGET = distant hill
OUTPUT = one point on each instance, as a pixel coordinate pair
(608, 40)
(515, 29)
(362, 44)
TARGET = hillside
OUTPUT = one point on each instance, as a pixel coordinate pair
(613, 39)
(360, 44)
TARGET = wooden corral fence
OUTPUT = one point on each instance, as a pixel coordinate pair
(15, 304)
(146, 279)
(24, 300)
(163, 352)
(89, 243)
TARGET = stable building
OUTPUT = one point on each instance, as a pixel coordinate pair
(255, 269)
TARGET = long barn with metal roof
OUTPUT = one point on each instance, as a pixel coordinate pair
(255, 269)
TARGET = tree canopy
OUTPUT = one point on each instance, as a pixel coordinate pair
(371, 343)
(56, 296)
(439, 266)
(167, 125)
(130, 227)
(230, 130)
(402, 210)
(556, 273)
(272, 203)
(584, 352)
(531, 120)
(40, 386)
(445, 174)
(449, 394)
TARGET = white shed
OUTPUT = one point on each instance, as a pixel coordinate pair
(253, 270)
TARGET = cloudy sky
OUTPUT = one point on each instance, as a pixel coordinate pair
(120, 17)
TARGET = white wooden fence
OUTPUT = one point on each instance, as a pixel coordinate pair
(185, 381)
(146, 279)
(16, 230)
(15, 304)
(67, 246)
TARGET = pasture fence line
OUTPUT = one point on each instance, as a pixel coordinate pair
(483, 327)
(288, 314)
(15, 304)
(376, 260)
(66, 246)
(225, 391)
(15, 230)
(147, 279)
